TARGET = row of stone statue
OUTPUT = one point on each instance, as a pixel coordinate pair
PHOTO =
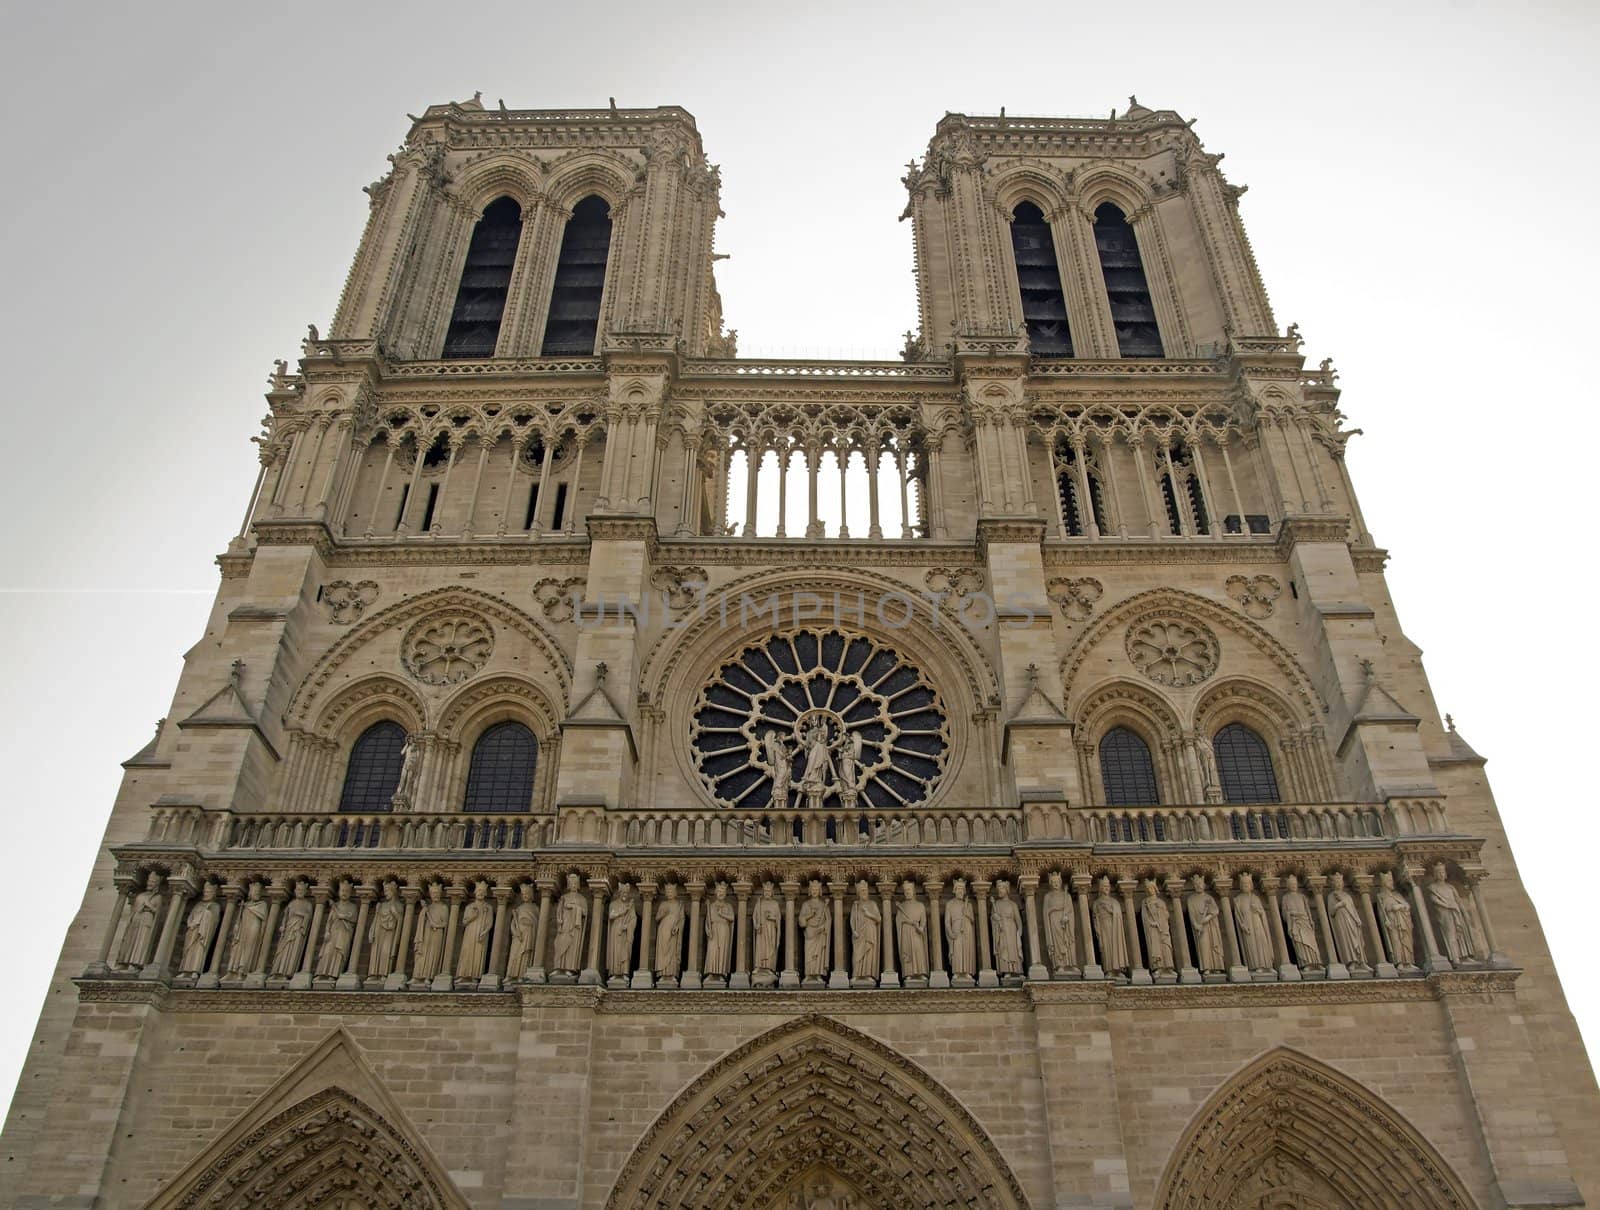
(840, 935)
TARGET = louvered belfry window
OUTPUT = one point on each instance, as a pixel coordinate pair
(1132, 313)
(580, 281)
(1044, 306)
(500, 777)
(1244, 765)
(373, 774)
(1127, 770)
(485, 282)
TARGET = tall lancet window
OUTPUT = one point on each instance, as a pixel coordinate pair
(1044, 305)
(580, 280)
(1132, 312)
(485, 281)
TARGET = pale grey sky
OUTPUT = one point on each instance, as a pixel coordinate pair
(183, 196)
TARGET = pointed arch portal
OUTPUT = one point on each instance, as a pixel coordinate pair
(1289, 1133)
(811, 1102)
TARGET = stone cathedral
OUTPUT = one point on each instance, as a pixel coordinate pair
(620, 775)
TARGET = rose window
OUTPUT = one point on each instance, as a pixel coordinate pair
(1172, 651)
(819, 718)
(446, 651)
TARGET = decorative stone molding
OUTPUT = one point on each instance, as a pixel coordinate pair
(1075, 599)
(558, 597)
(1172, 650)
(1255, 594)
(344, 601)
(682, 586)
(447, 649)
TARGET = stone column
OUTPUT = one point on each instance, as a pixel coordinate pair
(741, 936)
(179, 891)
(937, 975)
(1187, 973)
(541, 931)
(1380, 965)
(889, 977)
(301, 979)
(1287, 970)
(1080, 888)
(839, 976)
(102, 964)
(1433, 960)
(350, 978)
(1237, 971)
(590, 976)
(500, 944)
(1138, 973)
(645, 977)
(1475, 877)
(1317, 884)
(692, 977)
(790, 976)
(1038, 969)
(445, 979)
(987, 975)
(230, 904)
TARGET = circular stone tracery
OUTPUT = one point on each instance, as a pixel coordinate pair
(1172, 651)
(855, 686)
(447, 650)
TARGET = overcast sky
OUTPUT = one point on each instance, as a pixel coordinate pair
(183, 195)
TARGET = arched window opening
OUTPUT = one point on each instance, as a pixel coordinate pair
(1069, 488)
(500, 777)
(1183, 494)
(1132, 313)
(1044, 305)
(580, 280)
(485, 281)
(1127, 770)
(1244, 766)
(373, 774)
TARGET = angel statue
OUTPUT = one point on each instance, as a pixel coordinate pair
(847, 760)
(779, 761)
(817, 778)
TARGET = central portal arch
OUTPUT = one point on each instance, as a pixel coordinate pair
(814, 1096)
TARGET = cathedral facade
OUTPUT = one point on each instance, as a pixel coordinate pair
(616, 774)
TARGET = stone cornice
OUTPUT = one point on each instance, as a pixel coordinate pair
(1298, 528)
(603, 528)
(1078, 552)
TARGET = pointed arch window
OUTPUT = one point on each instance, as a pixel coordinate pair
(580, 281)
(1133, 314)
(373, 773)
(1075, 514)
(485, 281)
(1182, 494)
(1126, 770)
(1244, 765)
(500, 777)
(1044, 305)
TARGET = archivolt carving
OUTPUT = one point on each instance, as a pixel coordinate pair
(459, 710)
(388, 694)
(1238, 698)
(1289, 1127)
(404, 613)
(574, 176)
(499, 175)
(815, 1092)
(1015, 181)
(1188, 604)
(1123, 701)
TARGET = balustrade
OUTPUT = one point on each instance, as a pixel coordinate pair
(411, 832)
(1210, 823)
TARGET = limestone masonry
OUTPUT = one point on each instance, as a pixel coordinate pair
(617, 774)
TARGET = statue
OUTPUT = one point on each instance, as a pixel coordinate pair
(1005, 930)
(911, 921)
(383, 932)
(847, 756)
(1455, 928)
(572, 911)
(1109, 930)
(1300, 927)
(815, 920)
(523, 922)
(1250, 914)
(144, 922)
(766, 916)
(427, 950)
(1397, 924)
(669, 934)
(1058, 925)
(338, 933)
(410, 767)
(817, 777)
(292, 933)
(1157, 920)
(780, 760)
(960, 936)
(477, 922)
(198, 931)
(719, 933)
(866, 937)
(1205, 919)
(247, 933)
(1349, 941)
(622, 920)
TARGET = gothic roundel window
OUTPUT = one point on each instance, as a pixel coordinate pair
(821, 719)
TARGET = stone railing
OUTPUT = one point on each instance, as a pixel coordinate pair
(1211, 823)
(764, 368)
(221, 831)
(743, 829)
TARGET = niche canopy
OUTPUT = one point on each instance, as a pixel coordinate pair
(819, 718)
